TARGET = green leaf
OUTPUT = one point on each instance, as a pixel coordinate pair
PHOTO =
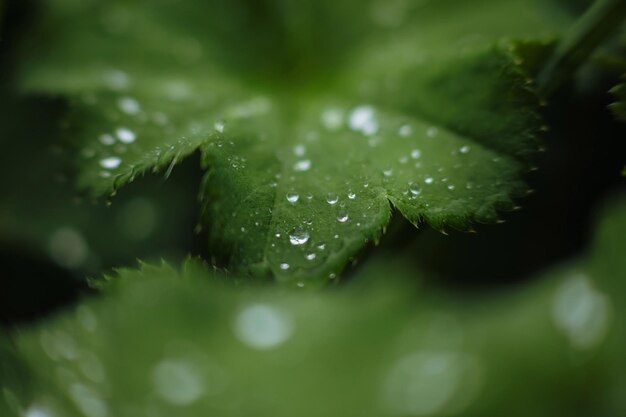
(148, 220)
(313, 120)
(167, 342)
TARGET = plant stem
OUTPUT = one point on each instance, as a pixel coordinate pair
(598, 22)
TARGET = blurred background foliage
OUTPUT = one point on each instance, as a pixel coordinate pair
(492, 283)
(189, 341)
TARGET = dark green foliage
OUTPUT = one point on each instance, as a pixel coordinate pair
(206, 343)
(324, 149)
(320, 151)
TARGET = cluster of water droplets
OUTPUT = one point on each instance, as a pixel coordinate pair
(415, 162)
(117, 140)
(362, 119)
(302, 162)
(302, 236)
(132, 122)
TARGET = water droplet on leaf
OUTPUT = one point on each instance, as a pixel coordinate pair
(303, 165)
(405, 130)
(111, 162)
(415, 188)
(129, 105)
(299, 237)
(432, 132)
(332, 198)
(106, 139)
(363, 119)
(125, 135)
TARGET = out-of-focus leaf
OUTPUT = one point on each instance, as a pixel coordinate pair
(41, 214)
(313, 120)
(168, 342)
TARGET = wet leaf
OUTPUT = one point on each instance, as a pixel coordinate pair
(313, 120)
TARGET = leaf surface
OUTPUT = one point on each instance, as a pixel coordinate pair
(313, 121)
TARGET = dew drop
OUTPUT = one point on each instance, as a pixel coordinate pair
(177, 90)
(111, 162)
(129, 105)
(388, 172)
(351, 195)
(106, 139)
(343, 216)
(219, 126)
(581, 312)
(310, 256)
(332, 118)
(332, 198)
(416, 153)
(415, 188)
(292, 197)
(303, 165)
(36, 411)
(321, 246)
(116, 79)
(299, 237)
(451, 187)
(405, 130)
(429, 180)
(284, 266)
(464, 149)
(299, 150)
(363, 119)
(125, 135)
(178, 382)
(432, 132)
(263, 326)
